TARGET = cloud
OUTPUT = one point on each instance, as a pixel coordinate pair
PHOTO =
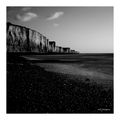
(55, 25)
(26, 16)
(26, 8)
(55, 15)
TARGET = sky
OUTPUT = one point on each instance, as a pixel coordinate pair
(84, 29)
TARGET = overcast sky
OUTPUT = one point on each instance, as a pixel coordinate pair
(85, 29)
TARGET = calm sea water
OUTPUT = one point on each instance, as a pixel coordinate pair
(101, 62)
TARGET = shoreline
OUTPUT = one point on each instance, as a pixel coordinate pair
(78, 72)
(31, 89)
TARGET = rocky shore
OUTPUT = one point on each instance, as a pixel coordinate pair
(31, 89)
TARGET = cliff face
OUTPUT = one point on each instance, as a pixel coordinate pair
(58, 49)
(22, 39)
(66, 50)
(52, 46)
(17, 38)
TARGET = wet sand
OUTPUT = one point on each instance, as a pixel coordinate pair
(74, 69)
